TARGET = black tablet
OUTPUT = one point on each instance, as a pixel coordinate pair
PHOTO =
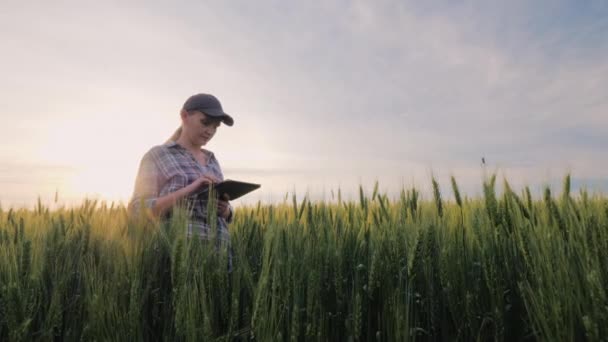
(234, 189)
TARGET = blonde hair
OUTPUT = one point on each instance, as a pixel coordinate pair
(175, 135)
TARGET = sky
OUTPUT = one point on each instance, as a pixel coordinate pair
(325, 94)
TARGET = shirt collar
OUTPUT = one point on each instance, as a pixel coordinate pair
(173, 143)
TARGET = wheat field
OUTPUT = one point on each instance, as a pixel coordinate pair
(507, 266)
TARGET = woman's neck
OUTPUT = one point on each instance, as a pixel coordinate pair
(185, 143)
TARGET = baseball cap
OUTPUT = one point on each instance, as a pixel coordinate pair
(209, 105)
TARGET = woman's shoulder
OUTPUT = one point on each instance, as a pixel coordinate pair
(158, 150)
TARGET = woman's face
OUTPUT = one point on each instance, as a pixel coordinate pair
(199, 127)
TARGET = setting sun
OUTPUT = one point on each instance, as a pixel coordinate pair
(102, 153)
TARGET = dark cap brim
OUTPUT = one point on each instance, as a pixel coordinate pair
(216, 113)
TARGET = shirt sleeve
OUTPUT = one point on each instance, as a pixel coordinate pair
(146, 184)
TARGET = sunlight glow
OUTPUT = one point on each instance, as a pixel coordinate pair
(112, 184)
(103, 154)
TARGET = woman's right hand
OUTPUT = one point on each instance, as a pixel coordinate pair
(167, 201)
(204, 180)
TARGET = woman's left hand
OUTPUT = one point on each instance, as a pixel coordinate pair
(223, 207)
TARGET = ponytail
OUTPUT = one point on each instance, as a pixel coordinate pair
(175, 135)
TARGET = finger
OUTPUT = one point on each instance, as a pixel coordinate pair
(226, 197)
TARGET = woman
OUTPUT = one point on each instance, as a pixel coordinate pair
(179, 171)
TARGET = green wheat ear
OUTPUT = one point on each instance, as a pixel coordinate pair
(566, 186)
(456, 192)
(437, 197)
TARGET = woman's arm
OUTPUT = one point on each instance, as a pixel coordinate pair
(224, 210)
(230, 217)
(164, 203)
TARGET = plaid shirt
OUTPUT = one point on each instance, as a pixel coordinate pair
(169, 167)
